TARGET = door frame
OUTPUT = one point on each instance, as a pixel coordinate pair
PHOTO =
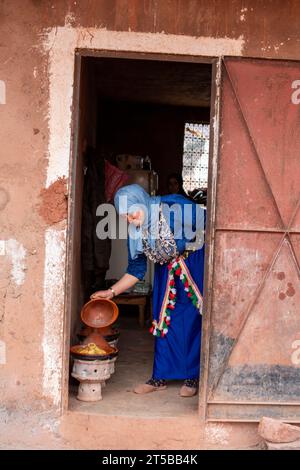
(74, 220)
(209, 235)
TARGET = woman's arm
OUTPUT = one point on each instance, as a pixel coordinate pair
(135, 272)
(126, 282)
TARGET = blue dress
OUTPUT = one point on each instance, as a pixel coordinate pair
(177, 354)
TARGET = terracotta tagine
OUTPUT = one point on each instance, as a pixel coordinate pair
(92, 370)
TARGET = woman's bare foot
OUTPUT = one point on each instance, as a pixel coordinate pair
(187, 391)
(189, 388)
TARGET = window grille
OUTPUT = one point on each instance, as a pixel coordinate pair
(195, 156)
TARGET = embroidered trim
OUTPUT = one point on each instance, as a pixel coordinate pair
(165, 245)
(156, 382)
(193, 383)
(176, 268)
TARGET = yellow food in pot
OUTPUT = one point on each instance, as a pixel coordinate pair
(92, 349)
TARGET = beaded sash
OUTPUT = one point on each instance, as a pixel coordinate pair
(165, 252)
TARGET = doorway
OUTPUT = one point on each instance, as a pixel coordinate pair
(138, 106)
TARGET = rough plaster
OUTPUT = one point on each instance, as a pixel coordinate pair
(218, 434)
(60, 44)
(54, 274)
(83, 431)
(54, 205)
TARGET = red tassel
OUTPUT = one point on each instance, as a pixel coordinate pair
(172, 282)
(186, 284)
(151, 329)
(189, 294)
(171, 296)
(178, 271)
(171, 306)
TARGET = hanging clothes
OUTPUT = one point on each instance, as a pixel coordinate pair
(95, 253)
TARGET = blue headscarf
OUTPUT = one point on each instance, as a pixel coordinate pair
(131, 198)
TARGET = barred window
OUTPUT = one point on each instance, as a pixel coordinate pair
(195, 156)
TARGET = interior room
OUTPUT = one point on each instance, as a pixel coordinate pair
(138, 121)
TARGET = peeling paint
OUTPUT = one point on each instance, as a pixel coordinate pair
(243, 14)
(53, 313)
(295, 357)
(2, 92)
(2, 353)
(217, 434)
(17, 253)
(54, 205)
(70, 19)
(261, 382)
(4, 198)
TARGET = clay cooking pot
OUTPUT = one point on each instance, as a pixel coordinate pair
(99, 313)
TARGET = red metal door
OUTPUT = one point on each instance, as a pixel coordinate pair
(252, 366)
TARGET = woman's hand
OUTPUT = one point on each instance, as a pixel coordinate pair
(126, 282)
(102, 294)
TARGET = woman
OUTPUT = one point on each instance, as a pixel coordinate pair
(175, 184)
(178, 280)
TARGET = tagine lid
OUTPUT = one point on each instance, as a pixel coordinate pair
(99, 313)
